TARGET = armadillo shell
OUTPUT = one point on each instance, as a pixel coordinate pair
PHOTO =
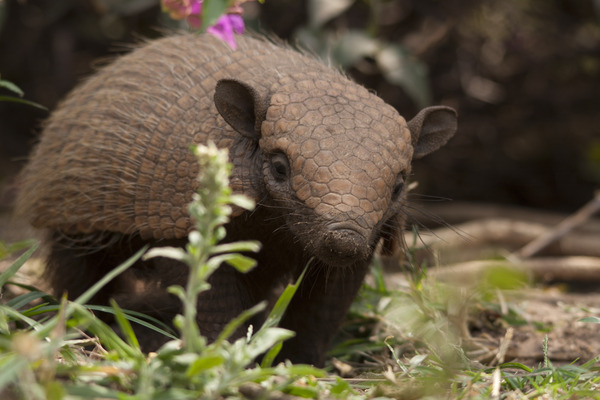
(115, 154)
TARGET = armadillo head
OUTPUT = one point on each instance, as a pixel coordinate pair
(334, 158)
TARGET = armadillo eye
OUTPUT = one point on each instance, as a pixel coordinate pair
(280, 167)
(399, 185)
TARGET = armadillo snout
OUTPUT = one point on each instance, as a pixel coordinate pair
(342, 245)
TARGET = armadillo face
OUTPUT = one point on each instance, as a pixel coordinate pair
(338, 157)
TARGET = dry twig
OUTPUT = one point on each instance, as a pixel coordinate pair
(566, 226)
(583, 269)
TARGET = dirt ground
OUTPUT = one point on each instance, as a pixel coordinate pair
(568, 339)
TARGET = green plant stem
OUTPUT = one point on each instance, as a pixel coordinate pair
(196, 277)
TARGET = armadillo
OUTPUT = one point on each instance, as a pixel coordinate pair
(325, 159)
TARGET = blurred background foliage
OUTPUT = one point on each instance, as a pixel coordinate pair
(523, 74)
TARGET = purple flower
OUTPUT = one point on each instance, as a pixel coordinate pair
(195, 20)
(191, 10)
(225, 28)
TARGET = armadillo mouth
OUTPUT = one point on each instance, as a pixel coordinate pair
(342, 245)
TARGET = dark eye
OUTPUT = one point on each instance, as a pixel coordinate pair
(280, 167)
(399, 185)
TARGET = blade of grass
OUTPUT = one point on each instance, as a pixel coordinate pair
(8, 85)
(141, 319)
(235, 323)
(17, 264)
(275, 317)
(17, 316)
(105, 333)
(10, 368)
(283, 301)
(24, 299)
(14, 247)
(125, 326)
(22, 101)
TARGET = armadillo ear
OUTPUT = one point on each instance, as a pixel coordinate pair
(241, 106)
(431, 128)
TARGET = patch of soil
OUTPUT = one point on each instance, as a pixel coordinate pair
(559, 314)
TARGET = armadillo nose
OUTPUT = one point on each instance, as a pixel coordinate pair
(344, 245)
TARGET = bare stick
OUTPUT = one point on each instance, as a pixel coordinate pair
(561, 229)
(540, 269)
(466, 241)
(433, 214)
(563, 269)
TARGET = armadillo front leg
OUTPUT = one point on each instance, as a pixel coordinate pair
(317, 311)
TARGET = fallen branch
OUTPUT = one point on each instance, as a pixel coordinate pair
(562, 229)
(507, 234)
(434, 214)
(564, 269)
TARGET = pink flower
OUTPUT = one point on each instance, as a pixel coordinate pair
(225, 28)
(195, 20)
(191, 10)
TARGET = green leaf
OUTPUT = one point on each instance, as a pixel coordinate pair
(11, 366)
(204, 363)
(504, 277)
(250, 245)
(238, 261)
(176, 253)
(4, 328)
(177, 291)
(516, 365)
(303, 391)
(303, 370)
(352, 47)
(235, 323)
(400, 68)
(54, 390)
(11, 86)
(212, 10)
(11, 99)
(594, 320)
(14, 247)
(321, 11)
(283, 302)
(276, 314)
(341, 387)
(89, 390)
(267, 338)
(242, 201)
(379, 278)
(417, 360)
(269, 357)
